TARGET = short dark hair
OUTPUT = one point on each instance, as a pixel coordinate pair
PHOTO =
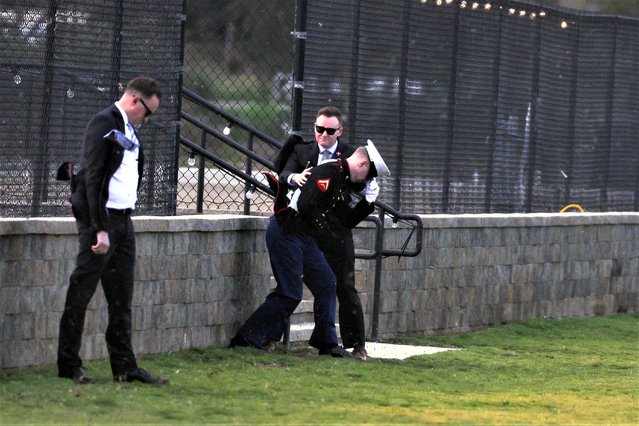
(330, 111)
(146, 85)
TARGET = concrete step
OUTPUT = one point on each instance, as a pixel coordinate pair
(302, 332)
(303, 313)
(302, 320)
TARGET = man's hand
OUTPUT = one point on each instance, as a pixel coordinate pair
(371, 191)
(102, 245)
(299, 179)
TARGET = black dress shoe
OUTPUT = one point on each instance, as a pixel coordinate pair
(337, 352)
(78, 376)
(141, 375)
(359, 351)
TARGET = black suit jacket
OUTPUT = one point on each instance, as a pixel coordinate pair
(309, 152)
(99, 160)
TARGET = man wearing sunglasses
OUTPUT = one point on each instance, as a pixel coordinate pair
(103, 195)
(327, 128)
(339, 250)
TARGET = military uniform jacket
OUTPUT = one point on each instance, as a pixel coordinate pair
(323, 204)
(304, 153)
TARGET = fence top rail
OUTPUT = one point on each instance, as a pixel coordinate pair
(514, 220)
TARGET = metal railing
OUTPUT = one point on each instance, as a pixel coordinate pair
(245, 174)
(379, 252)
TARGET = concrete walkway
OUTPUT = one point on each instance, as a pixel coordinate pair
(389, 351)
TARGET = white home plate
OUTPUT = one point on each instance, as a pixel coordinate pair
(388, 351)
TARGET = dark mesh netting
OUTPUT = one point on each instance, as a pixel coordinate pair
(477, 106)
(483, 106)
(61, 63)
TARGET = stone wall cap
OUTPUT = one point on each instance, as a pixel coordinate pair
(225, 222)
(203, 223)
(502, 220)
(199, 223)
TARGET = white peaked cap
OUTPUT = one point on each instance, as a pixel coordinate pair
(378, 166)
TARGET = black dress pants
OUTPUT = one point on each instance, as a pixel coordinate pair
(340, 255)
(115, 270)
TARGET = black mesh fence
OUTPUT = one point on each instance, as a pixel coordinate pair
(478, 106)
(483, 106)
(60, 63)
(239, 56)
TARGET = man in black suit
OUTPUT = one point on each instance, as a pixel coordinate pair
(296, 163)
(103, 195)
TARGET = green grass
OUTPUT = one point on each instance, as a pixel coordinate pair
(573, 371)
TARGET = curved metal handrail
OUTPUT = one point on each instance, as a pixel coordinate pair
(414, 221)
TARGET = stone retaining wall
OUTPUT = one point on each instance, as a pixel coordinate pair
(481, 270)
(199, 277)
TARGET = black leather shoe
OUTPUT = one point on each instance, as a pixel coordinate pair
(359, 351)
(78, 376)
(337, 352)
(141, 375)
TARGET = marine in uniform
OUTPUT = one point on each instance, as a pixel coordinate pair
(321, 207)
(295, 160)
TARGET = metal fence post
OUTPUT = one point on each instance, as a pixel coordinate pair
(200, 176)
(298, 74)
(377, 291)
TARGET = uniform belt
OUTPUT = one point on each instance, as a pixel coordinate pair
(120, 212)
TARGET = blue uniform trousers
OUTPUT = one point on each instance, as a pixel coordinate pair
(295, 260)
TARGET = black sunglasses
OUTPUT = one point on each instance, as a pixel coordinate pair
(330, 131)
(148, 111)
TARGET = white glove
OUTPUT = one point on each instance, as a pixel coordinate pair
(371, 191)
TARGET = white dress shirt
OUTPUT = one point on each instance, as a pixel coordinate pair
(123, 187)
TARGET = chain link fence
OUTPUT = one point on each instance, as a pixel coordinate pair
(478, 106)
(483, 106)
(239, 56)
(60, 63)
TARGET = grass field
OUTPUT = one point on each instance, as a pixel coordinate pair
(572, 371)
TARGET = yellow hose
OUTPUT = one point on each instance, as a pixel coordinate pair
(572, 206)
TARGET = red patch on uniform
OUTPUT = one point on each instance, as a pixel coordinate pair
(323, 184)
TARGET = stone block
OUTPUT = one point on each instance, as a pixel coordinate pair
(220, 289)
(10, 300)
(142, 318)
(147, 341)
(13, 273)
(93, 347)
(222, 334)
(209, 267)
(44, 272)
(201, 337)
(195, 291)
(523, 273)
(40, 325)
(171, 291)
(20, 353)
(23, 325)
(197, 314)
(96, 320)
(47, 351)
